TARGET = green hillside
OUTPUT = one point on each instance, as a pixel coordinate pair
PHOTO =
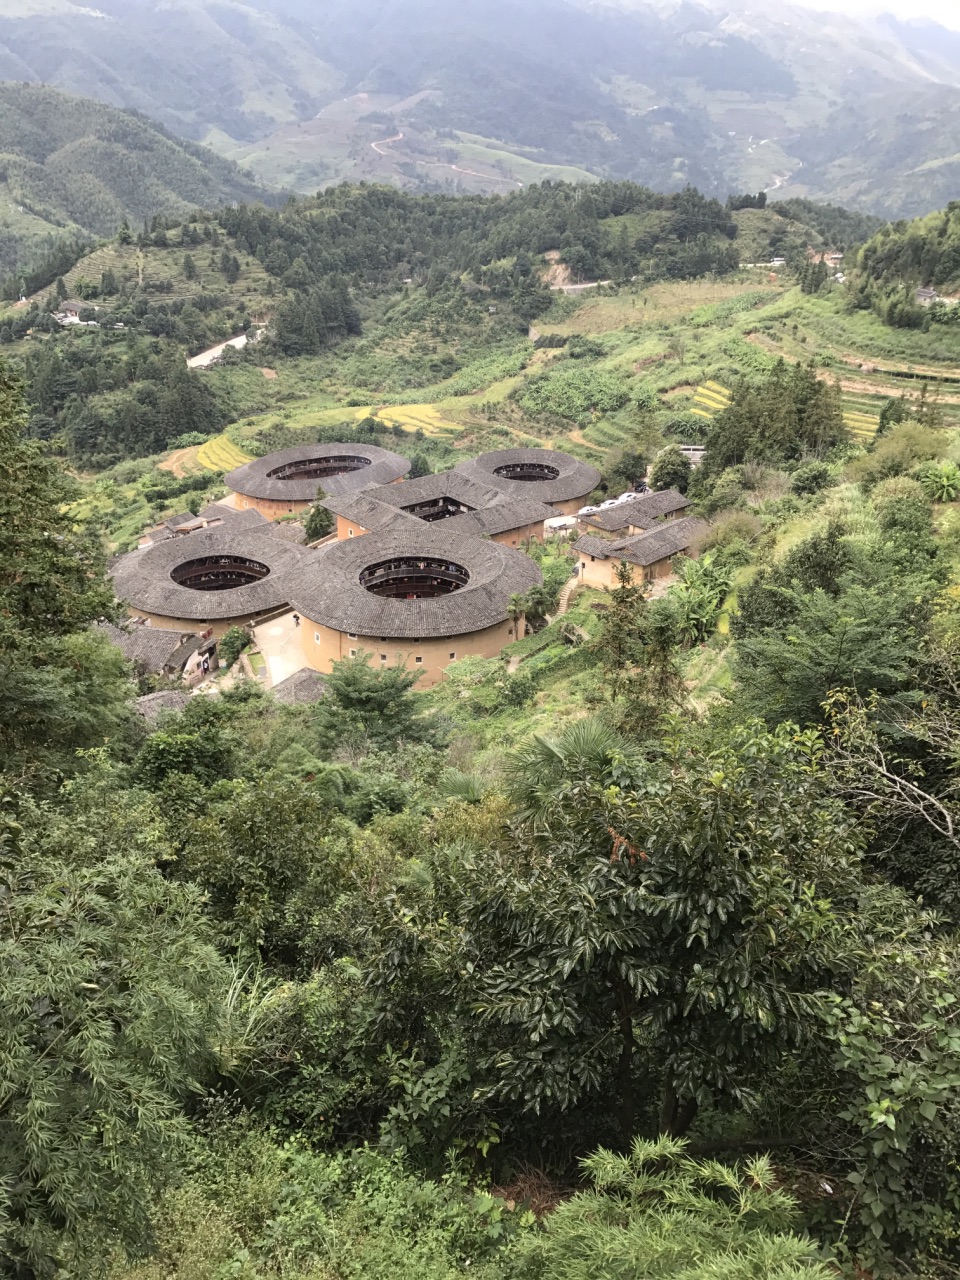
(71, 166)
(487, 94)
(903, 257)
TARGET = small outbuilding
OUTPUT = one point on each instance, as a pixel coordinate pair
(161, 651)
(557, 479)
(639, 514)
(291, 480)
(418, 596)
(653, 553)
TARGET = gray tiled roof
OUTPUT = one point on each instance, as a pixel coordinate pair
(368, 510)
(303, 687)
(576, 479)
(232, 515)
(645, 548)
(179, 526)
(152, 648)
(143, 579)
(153, 705)
(443, 484)
(328, 591)
(642, 513)
(511, 513)
(493, 511)
(255, 481)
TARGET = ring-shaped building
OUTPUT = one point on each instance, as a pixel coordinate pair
(211, 580)
(287, 482)
(419, 597)
(557, 479)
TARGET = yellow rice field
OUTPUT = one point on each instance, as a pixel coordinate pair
(221, 454)
(418, 417)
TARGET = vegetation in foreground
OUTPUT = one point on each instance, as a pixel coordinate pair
(635, 951)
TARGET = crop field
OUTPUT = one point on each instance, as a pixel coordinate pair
(862, 426)
(710, 399)
(427, 418)
(221, 454)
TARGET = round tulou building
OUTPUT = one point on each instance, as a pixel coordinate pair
(288, 482)
(211, 580)
(420, 598)
(557, 479)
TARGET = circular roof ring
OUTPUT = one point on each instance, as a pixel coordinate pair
(308, 471)
(413, 583)
(211, 575)
(546, 474)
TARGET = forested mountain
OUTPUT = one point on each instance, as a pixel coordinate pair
(73, 167)
(311, 270)
(904, 257)
(488, 93)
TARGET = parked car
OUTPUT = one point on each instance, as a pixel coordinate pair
(588, 511)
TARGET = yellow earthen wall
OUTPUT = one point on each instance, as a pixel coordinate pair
(333, 645)
(269, 509)
(571, 506)
(349, 528)
(516, 537)
(603, 573)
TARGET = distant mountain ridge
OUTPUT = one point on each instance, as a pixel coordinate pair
(74, 166)
(484, 94)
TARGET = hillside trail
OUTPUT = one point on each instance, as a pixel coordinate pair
(577, 437)
(563, 603)
(441, 164)
(177, 463)
(207, 358)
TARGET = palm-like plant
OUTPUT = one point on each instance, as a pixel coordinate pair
(545, 772)
(941, 481)
(517, 613)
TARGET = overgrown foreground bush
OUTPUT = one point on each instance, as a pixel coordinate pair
(255, 1209)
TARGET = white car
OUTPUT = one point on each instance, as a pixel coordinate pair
(610, 502)
(588, 511)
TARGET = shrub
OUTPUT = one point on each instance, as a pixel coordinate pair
(659, 1212)
(575, 394)
(898, 452)
(941, 482)
(900, 503)
(811, 478)
(232, 645)
(671, 470)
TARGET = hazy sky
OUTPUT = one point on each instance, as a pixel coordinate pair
(945, 11)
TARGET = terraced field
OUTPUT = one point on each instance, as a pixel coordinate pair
(427, 418)
(710, 399)
(862, 426)
(221, 454)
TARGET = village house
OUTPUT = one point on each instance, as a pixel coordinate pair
(162, 651)
(652, 553)
(636, 516)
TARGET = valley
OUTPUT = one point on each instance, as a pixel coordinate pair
(479, 657)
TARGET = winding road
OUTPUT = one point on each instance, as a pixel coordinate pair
(440, 164)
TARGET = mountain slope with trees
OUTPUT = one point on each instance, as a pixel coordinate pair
(72, 167)
(727, 97)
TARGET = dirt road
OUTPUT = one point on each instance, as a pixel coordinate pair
(440, 164)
